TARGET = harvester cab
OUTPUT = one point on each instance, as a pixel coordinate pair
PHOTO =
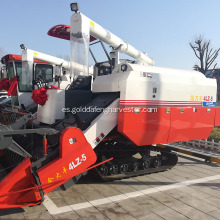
(21, 97)
(36, 74)
(112, 124)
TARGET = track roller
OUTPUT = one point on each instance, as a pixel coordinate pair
(103, 170)
(135, 167)
(156, 162)
(124, 168)
(113, 170)
(145, 164)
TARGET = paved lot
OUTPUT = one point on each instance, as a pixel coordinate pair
(191, 190)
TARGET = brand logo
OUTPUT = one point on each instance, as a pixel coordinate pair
(72, 140)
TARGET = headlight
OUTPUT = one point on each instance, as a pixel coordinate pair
(74, 7)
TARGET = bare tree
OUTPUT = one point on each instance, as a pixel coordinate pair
(205, 54)
(2, 53)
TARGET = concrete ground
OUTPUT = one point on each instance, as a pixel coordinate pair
(191, 190)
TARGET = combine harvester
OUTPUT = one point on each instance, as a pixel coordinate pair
(45, 69)
(129, 108)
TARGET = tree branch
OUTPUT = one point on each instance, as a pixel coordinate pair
(194, 49)
(204, 53)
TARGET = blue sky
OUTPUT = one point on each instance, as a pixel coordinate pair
(162, 28)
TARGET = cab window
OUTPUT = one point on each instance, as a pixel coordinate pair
(44, 72)
(10, 70)
(21, 87)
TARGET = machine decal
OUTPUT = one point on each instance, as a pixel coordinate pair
(145, 74)
(65, 170)
(209, 104)
(208, 98)
(72, 140)
(72, 165)
(196, 98)
(201, 98)
(50, 180)
(92, 23)
(77, 162)
(58, 175)
(99, 138)
(96, 141)
(207, 101)
(131, 103)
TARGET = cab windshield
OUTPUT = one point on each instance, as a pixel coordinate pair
(10, 70)
(43, 72)
(21, 87)
(10, 74)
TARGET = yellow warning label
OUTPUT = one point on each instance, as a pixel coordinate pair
(35, 53)
(92, 23)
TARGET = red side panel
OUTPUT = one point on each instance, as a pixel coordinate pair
(181, 124)
(76, 155)
(217, 116)
(144, 128)
(63, 31)
(190, 125)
